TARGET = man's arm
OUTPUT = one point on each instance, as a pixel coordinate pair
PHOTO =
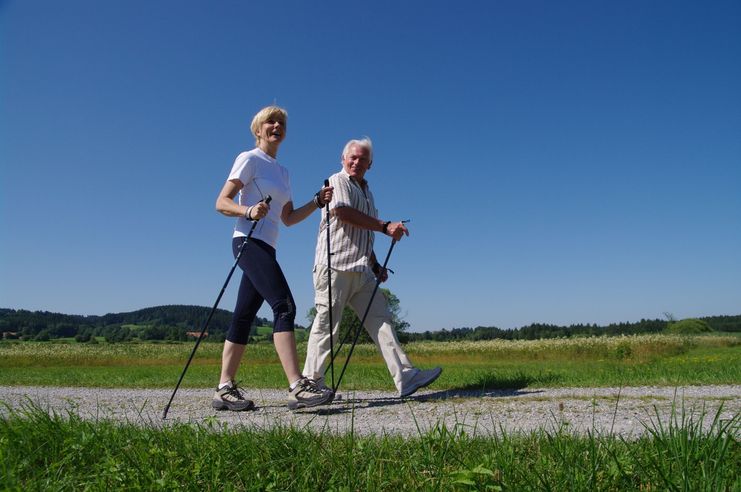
(357, 218)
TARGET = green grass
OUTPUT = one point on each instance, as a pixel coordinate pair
(599, 361)
(39, 451)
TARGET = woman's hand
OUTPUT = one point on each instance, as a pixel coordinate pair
(324, 196)
(259, 211)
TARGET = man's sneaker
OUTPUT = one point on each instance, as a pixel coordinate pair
(307, 393)
(230, 398)
(423, 378)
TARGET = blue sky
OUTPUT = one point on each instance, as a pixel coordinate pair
(562, 162)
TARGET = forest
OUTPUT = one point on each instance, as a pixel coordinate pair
(179, 322)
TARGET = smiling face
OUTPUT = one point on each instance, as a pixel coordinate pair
(356, 162)
(269, 128)
(272, 131)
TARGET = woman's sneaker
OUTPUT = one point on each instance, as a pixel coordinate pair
(307, 393)
(230, 398)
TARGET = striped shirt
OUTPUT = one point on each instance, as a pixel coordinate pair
(351, 246)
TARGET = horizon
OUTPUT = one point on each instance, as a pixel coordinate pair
(666, 317)
(561, 163)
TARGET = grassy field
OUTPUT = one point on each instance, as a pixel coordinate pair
(43, 452)
(596, 361)
(39, 451)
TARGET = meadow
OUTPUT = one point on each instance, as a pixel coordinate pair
(42, 451)
(595, 361)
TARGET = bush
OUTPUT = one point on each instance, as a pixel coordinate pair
(82, 337)
(43, 336)
(689, 326)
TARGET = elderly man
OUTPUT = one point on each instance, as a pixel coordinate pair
(353, 220)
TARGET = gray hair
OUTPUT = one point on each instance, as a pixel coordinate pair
(364, 142)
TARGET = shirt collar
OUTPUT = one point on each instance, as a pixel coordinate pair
(362, 184)
(266, 155)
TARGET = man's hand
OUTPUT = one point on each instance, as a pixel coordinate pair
(382, 274)
(397, 230)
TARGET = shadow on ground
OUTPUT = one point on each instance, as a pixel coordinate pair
(488, 384)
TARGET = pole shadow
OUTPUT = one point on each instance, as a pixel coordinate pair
(492, 385)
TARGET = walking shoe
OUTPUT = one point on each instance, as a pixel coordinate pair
(322, 385)
(423, 378)
(307, 393)
(230, 398)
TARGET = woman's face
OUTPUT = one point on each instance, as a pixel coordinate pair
(273, 130)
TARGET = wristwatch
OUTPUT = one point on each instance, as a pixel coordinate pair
(386, 227)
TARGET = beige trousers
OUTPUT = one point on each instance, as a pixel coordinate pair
(353, 289)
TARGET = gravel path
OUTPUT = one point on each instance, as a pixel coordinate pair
(603, 410)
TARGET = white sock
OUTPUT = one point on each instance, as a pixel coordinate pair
(224, 385)
(294, 384)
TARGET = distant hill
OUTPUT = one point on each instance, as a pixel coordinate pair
(171, 322)
(175, 322)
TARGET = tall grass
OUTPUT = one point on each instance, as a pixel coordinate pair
(596, 361)
(39, 451)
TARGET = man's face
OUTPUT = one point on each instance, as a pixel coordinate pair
(356, 162)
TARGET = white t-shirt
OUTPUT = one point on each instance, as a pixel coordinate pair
(261, 175)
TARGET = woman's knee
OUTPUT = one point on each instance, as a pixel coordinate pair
(239, 333)
(284, 314)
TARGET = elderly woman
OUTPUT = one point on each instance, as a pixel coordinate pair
(255, 175)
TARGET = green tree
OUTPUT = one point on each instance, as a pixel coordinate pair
(689, 326)
(118, 333)
(351, 321)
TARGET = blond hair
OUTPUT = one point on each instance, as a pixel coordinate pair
(265, 114)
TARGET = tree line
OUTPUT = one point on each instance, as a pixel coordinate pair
(171, 322)
(538, 331)
(178, 322)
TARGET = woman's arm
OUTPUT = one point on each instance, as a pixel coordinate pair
(291, 216)
(226, 205)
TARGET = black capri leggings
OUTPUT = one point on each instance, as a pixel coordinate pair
(262, 280)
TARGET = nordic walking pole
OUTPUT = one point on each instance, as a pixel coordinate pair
(213, 310)
(349, 332)
(329, 287)
(365, 315)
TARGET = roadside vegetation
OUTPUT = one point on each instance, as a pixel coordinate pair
(489, 364)
(62, 451)
(39, 451)
(52, 451)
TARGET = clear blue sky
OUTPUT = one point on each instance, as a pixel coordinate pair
(562, 162)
